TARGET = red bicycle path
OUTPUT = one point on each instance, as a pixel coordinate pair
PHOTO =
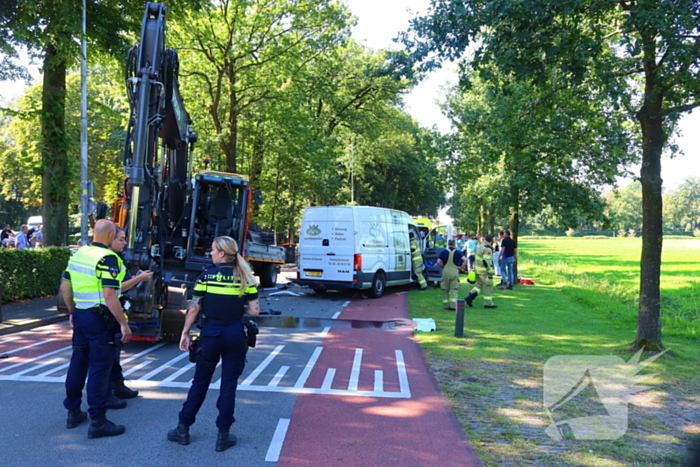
(328, 430)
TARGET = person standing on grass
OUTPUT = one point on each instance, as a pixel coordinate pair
(507, 261)
(451, 261)
(471, 250)
(484, 273)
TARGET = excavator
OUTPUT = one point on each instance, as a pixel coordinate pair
(171, 214)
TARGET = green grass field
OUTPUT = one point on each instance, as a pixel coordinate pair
(583, 303)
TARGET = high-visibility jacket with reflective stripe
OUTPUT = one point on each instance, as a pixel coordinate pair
(415, 251)
(483, 262)
(221, 290)
(85, 279)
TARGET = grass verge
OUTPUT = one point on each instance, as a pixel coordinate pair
(493, 377)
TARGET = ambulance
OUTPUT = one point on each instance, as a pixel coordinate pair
(355, 247)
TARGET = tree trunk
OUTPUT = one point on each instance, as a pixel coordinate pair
(55, 183)
(653, 140)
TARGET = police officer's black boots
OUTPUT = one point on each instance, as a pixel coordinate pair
(113, 403)
(224, 440)
(181, 434)
(100, 427)
(120, 391)
(75, 418)
(470, 298)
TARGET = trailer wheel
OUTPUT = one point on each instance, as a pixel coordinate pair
(378, 284)
(268, 274)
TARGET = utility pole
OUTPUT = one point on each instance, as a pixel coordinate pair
(84, 184)
(352, 171)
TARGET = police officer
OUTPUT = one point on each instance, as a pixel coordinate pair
(225, 288)
(451, 261)
(117, 389)
(483, 265)
(417, 262)
(89, 288)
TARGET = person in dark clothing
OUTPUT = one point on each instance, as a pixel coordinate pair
(89, 288)
(226, 288)
(507, 261)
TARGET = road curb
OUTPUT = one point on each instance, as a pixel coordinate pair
(10, 328)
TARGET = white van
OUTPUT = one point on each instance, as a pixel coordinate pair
(34, 222)
(355, 247)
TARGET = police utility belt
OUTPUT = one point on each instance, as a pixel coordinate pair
(251, 327)
(103, 311)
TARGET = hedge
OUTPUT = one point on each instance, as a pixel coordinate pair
(30, 273)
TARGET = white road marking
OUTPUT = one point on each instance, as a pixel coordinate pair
(164, 366)
(36, 367)
(29, 346)
(403, 376)
(179, 372)
(54, 370)
(307, 369)
(355, 372)
(36, 358)
(378, 381)
(9, 340)
(273, 452)
(328, 380)
(273, 386)
(142, 353)
(324, 333)
(335, 316)
(278, 377)
(136, 367)
(251, 377)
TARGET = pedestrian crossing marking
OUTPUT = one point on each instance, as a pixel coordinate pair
(174, 371)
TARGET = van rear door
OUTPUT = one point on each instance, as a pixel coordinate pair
(326, 249)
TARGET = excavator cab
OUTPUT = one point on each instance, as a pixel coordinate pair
(220, 207)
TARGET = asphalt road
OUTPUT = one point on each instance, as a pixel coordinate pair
(344, 365)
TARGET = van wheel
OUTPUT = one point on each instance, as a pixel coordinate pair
(378, 284)
(268, 274)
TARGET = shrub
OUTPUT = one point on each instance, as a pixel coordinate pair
(622, 233)
(30, 273)
(696, 233)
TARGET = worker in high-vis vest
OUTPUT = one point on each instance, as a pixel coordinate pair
(90, 290)
(483, 265)
(417, 263)
(451, 260)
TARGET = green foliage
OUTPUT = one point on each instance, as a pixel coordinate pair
(624, 207)
(682, 207)
(30, 273)
(21, 161)
(532, 148)
(583, 303)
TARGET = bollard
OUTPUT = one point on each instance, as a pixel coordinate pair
(459, 319)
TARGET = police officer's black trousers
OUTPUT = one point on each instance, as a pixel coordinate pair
(95, 347)
(228, 342)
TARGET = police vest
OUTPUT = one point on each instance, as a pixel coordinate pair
(223, 298)
(121, 275)
(85, 282)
